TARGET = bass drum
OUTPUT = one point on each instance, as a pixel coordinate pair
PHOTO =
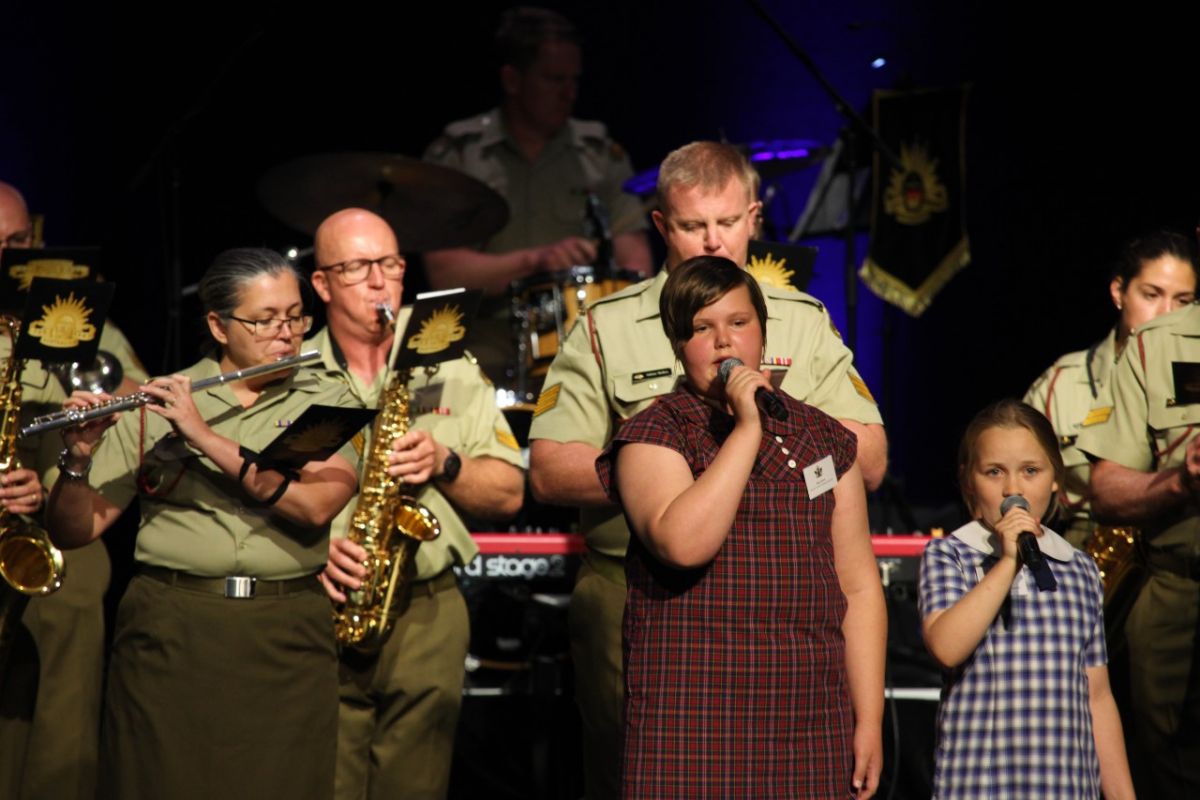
(544, 309)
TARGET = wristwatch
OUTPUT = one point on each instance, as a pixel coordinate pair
(450, 467)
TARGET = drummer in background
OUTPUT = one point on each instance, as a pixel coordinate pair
(51, 751)
(542, 161)
(1154, 275)
(615, 362)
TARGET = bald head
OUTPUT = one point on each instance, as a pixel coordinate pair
(355, 234)
(353, 229)
(15, 228)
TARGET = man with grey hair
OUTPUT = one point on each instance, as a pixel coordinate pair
(616, 361)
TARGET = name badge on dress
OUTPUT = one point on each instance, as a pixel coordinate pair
(820, 477)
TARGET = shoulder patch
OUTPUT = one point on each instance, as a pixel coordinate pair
(1097, 416)
(507, 439)
(547, 400)
(860, 385)
(838, 334)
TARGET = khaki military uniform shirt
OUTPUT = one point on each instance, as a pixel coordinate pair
(546, 197)
(113, 341)
(1147, 424)
(1065, 393)
(617, 361)
(197, 519)
(457, 405)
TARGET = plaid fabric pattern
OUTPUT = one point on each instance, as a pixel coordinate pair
(1014, 720)
(735, 681)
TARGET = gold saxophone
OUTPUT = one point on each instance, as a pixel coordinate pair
(30, 565)
(388, 524)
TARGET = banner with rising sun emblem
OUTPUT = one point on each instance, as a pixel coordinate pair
(63, 319)
(782, 265)
(918, 216)
(19, 267)
(437, 327)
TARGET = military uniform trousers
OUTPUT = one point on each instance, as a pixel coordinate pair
(594, 619)
(398, 708)
(1163, 632)
(211, 697)
(50, 712)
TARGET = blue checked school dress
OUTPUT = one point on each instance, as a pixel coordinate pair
(735, 678)
(1014, 720)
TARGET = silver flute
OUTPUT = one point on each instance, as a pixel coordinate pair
(75, 416)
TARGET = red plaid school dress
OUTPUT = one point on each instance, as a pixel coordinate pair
(735, 679)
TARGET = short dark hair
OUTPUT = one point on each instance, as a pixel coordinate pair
(223, 282)
(1009, 413)
(1152, 246)
(523, 31)
(700, 282)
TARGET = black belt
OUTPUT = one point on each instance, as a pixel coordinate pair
(1182, 564)
(239, 587)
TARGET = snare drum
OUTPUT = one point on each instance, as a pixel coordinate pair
(544, 309)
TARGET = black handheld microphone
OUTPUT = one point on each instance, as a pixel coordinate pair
(1027, 548)
(767, 400)
(1027, 544)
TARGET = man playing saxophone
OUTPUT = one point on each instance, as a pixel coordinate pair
(399, 705)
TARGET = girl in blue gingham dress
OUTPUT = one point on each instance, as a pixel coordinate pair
(1026, 709)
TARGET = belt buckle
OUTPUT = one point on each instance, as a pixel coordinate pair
(240, 587)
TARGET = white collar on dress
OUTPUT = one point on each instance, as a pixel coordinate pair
(977, 537)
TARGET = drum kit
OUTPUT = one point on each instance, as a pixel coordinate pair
(433, 207)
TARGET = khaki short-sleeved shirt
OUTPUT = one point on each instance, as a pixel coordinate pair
(195, 518)
(1065, 393)
(112, 340)
(617, 361)
(457, 405)
(1145, 426)
(546, 197)
(41, 393)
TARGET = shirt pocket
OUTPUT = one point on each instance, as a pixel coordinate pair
(1172, 427)
(631, 396)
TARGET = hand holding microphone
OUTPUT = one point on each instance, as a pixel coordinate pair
(764, 397)
(1028, 551)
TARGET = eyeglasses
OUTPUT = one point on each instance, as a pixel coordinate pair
(270, 328)
(18, 239)
(356, 270)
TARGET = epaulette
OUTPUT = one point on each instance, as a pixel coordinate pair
(635, 290)
(594, 134)
(790, 295)
(1187, 317)
(471, 126)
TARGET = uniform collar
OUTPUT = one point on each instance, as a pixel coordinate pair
(648, 302)
(977, 537)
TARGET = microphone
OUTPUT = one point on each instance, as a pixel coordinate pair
(1027, 545)
(767, 400)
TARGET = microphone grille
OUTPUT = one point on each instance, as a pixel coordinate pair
(727, 367)
(1011, 502)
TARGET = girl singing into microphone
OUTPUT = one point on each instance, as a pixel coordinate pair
(754, 623)
(1026, 709)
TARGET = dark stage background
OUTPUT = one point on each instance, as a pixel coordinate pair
(1079, 135)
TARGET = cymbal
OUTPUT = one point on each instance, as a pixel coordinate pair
(429, 206)
(771, 158)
